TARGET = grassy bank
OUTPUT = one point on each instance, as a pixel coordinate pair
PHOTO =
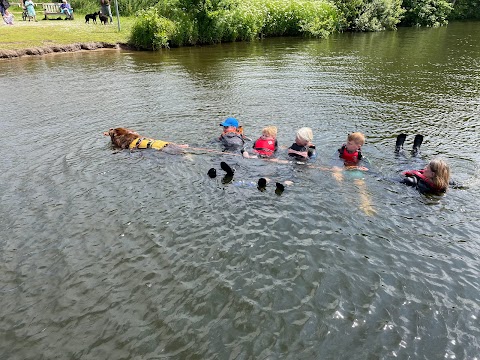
(25, 34)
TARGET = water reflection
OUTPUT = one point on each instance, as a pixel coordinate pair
(111, 254)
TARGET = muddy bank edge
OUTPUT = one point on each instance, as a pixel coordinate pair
(9, 54)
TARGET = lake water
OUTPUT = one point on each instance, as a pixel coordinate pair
(109, 254)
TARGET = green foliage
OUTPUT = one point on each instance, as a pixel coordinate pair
(251, 19)
(371, 15)
(353, 14)
(125, 7)
(426, 12)
(188, 22)
(171, 9)
(130, 7)
(242, 22)
(84, 6)
(351, 10)
(185, 32)
(151, 31)
(295, 17)
(380, 15)
(466, 9)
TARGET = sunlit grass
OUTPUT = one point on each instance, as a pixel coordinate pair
(29, 34)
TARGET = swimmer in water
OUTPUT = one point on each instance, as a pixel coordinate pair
(303, 149)
(265, 146)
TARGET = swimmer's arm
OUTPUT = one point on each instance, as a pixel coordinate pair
(356, 167)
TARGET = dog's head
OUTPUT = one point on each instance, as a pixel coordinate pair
(122, 137)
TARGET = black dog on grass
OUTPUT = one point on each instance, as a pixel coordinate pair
(103, 18)
(92, 17)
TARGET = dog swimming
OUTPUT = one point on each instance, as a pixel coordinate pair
(124, 138)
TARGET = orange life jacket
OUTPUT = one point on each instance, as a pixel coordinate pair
(234, 130)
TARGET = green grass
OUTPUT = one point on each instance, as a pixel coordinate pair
(25, 34)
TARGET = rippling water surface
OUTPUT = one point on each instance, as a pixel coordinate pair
(109, 254)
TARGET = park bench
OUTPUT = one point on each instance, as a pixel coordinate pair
(53, 9)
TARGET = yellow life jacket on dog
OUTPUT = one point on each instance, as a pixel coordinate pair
(144, 143)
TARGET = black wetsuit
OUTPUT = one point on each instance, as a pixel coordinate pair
(232, 140)
(310, 150)
(425, 186)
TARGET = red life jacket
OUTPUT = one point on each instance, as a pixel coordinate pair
(419, 174)
(354, 157)
(265, 147)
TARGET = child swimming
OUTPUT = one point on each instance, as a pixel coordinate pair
(351, 152)
(232, 136)
(434, 178)
(303, 149)
(266, 145)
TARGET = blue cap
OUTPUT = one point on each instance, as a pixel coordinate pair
(230, 122)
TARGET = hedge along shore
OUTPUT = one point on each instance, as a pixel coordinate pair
(29, 38)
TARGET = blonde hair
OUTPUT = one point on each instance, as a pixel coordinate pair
(270, 131)
(305, 133)
(357, 138)
(441, 173)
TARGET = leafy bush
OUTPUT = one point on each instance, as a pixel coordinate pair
(466, 9)
(371, 15)
(295, 17)
(257, 18)
(151, 31)
(353, 14)
(217, 21)
(242, 22)
(85, 6)
(185, 32)
(130, 7)
(168, 23)
(426, 12)
(380, 15)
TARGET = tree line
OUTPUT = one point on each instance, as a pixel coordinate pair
(164, 23)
